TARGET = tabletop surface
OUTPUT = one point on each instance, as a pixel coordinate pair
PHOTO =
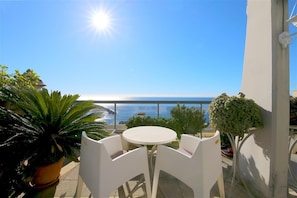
(149, 135)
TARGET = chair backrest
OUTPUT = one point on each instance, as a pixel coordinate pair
(206, 154)
(210, 149)
(96, 158)
(113, 145)
(104, 166)
(189, 143)
(89, 162)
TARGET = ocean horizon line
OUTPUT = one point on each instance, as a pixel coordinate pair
(141, 97)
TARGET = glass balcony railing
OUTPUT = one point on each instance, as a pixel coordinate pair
(120, 110)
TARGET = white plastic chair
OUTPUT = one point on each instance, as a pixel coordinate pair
(104, 166)
(197, 163)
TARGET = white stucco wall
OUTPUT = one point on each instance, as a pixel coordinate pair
(264, 158)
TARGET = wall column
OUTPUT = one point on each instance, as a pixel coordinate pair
(264, 157)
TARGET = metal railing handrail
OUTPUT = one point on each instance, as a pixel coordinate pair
(157, 102)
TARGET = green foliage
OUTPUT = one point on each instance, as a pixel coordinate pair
(225, 142)
(48, 128)
(27, 79)
(5, 79)
(146, 121)
(187, 120)
(234, 115)
(293, 110)
(53, 121)
(182, 120)
(13, 151)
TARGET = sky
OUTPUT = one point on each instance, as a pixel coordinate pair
(150, 47)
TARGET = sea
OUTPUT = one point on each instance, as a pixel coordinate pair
(126, 111)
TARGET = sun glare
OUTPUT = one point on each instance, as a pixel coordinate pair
(101, 21)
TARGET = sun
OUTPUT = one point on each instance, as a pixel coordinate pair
(100, 21)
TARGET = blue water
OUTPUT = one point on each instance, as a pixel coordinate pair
(126, 111)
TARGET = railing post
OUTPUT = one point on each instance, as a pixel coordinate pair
(115, 116)
(158, 108)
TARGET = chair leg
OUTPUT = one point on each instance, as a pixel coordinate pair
(78, 187)
(140, 184)
(129, 189)
(200, 191)
(148, 187)
(221, 186)
(121, 192)
(155, 182)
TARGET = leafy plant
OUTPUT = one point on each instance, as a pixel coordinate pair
(183, 120)
(146, 121)
(189, 120)
(293, 110)
(234, 115)
(48, 128)
(225, 142)
(27, 79)
(10, 171)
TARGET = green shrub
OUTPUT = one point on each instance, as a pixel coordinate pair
(225, 142)
(183, 120)
(188, 120)
(146, 121)
(293, 111)
(234, 115)
(27, 79)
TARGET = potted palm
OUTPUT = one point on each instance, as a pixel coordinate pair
(235, 116)
(9, 174)
(48, 127)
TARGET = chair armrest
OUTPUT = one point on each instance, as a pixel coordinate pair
(173, 161)
(189, 143)
(140, 152)
(125, 167)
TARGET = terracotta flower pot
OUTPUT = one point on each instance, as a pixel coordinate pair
(47, 175)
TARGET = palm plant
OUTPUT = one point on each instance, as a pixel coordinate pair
(46, 127)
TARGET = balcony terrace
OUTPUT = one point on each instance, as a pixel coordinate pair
(168, 186)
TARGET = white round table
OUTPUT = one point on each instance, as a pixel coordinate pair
(149, 135)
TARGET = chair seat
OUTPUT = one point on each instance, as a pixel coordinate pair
(184, 151)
